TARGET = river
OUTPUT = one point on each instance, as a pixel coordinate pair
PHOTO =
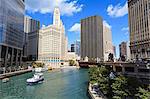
(64, 84)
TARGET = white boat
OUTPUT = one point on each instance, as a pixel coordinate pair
(37, 78)
(40, 69)
(5, 80)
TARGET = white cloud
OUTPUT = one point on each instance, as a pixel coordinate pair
(47, 6)
(125, 29)
(75, 28)
(118, 10)
(127, 33)
(43, 26)
(106, 24)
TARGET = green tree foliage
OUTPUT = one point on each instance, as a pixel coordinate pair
(111, 57)
(103, 79)
(133, 85)
(143, 94)
(119, 88)
(35, 65)
(72, 63)
(93, 73)
(99, 75)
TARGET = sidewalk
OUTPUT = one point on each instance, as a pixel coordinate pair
(93, 94)
(14, 73)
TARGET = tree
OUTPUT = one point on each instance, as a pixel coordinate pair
(133, 85)
(93, 74)
(72, 63)
(100, 75)
(35, 65)
(143, 94)
(111, 57)
(123, 58)
(120, 88)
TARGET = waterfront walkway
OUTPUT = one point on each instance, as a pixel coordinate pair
(95, 94)
(14, 73)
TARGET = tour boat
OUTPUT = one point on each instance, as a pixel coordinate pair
(37, 78)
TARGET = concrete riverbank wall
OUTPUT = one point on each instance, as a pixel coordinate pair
(2, 76)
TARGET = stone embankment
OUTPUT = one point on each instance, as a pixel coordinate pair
(2, 76)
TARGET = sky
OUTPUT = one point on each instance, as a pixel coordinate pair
(113, 12)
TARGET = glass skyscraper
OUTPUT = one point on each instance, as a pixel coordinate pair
(11, 33)
(31, 29)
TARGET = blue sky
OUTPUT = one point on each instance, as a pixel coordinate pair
(114, 12)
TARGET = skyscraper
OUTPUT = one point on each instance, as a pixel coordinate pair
(53, 42)
(92, 38)
(124, 50)
(77, 47)
(31, 29)
(139, 25)
(107, 42)
(114, 51)
(72, 47)
(11, 33)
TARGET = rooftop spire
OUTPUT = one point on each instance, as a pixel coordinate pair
(56, 17)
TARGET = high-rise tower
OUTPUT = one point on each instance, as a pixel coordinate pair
(139, 25)
(53, 42)
(92, 38)
(56, 17)
(11, 33)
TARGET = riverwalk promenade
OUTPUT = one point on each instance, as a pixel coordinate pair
(14, 73)
(94, 94)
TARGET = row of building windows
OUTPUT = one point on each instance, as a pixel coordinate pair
(138, 18)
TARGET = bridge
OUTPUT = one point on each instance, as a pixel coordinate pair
(138, 70)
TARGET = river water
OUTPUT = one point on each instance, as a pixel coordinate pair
(64, 84)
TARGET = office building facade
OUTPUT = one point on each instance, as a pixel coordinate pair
(114, 51)
(124, 50)
(77, 47)
(107, 42)
(11, 33)
(72, 47)
(31, 29)
(139, 25)
(53, 42)
(92, 38)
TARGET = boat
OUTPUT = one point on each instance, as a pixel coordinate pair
(50, 68)
(5, 80)
(37, 78)
(38, 70)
